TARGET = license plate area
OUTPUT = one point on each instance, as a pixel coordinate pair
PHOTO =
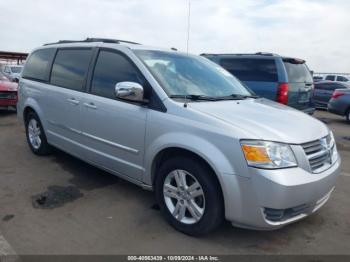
(304, 97)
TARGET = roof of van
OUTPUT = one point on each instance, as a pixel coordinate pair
(258, 54)
(104, 42)
(240, 54)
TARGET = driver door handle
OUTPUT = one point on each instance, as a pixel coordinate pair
(73, 101)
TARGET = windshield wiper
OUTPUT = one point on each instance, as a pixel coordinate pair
(236, 97)
(213, 98)
(195, 97)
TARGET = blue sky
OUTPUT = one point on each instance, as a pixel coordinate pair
(315, 30)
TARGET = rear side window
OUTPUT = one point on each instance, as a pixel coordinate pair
(262, 70)
(110, 69)
(342, 79)
(298, 72)
(70, 67)
(330, 78)
(37, 65)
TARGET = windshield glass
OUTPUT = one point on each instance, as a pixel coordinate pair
(3, 77)
(182, 75)
(16, 69)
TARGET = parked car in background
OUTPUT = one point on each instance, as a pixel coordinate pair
(317, 78)
(283, 79)
(324, 90)
(13, 72)
(8, 93)
(340, 103)
(335, 77)
(182, 126)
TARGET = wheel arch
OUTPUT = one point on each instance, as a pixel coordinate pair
(177, 143)
(32, 106)
(173, 151)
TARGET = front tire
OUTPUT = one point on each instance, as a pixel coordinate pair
(189, 196)
(36, 137)
(348, 116)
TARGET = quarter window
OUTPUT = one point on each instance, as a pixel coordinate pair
(70, 67)
(244, 69)
(37, 65)
(112, 68)
(342, 79)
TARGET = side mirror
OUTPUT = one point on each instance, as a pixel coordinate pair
(130, 91)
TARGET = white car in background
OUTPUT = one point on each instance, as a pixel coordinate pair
(338, 78)
(13, 72)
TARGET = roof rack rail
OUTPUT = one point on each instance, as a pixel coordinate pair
(91, 40)
(265, 53)
(257, 53)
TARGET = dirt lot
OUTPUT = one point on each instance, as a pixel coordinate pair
(97, 213)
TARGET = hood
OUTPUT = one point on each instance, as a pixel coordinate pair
(265, 119)
(8, 86)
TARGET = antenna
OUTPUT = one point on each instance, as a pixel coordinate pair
(188, 24)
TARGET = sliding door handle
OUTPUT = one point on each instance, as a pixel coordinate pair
(90, 105)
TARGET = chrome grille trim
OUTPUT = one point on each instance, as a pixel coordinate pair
(319, 153)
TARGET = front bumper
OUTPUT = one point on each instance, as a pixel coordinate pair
(8, 102)
(248, 201)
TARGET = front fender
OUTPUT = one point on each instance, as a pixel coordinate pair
(199, 146)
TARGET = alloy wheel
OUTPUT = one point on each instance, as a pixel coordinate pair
(184, 196)
(34, 133)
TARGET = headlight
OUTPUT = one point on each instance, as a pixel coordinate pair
(333, 146)
(270, 155)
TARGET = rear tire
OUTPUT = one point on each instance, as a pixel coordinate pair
(200, 196)
(36, 137)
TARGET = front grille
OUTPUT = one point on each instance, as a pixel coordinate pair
(279, 215)
(319, 153)
(8, 95)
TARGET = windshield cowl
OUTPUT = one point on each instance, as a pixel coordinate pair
(211, 98)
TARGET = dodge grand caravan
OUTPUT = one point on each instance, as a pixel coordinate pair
(283, 79)
(182, 126)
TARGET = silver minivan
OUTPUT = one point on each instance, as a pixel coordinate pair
(182, 126)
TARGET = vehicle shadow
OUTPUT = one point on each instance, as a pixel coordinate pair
(85, 176)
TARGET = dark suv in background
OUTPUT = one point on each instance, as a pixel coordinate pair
(283, 79)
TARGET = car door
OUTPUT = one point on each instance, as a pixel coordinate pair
(65, 97)
(318, 94)
(328, 92)
(114, 129)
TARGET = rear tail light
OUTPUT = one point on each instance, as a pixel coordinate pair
(337, 94)
(282, 93)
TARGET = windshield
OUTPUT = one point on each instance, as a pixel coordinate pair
(16, 69)
(3, 77)
(182, 75)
